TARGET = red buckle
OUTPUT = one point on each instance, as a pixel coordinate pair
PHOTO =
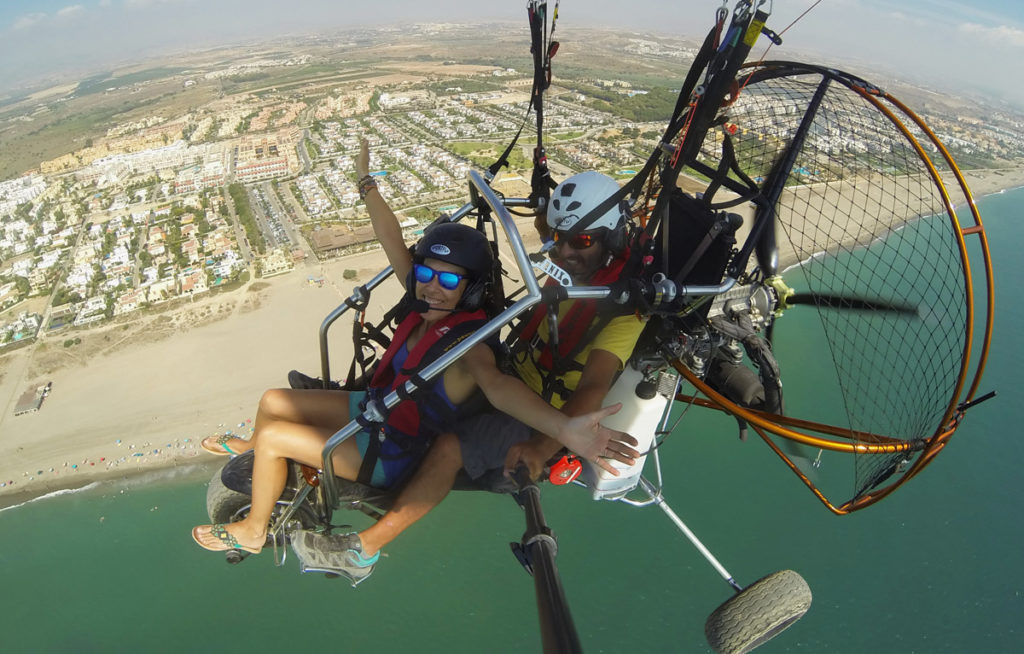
(565, 470)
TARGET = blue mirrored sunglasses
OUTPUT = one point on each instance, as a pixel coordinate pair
(448, 280)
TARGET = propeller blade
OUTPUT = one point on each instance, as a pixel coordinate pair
(767, 250)
(849, 302)
(802, 457)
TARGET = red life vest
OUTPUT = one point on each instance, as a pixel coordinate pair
(573, 327)
(448, 332)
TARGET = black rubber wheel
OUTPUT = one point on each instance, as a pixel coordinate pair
(224, 505)
(762, 611)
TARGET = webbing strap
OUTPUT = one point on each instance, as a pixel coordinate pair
(561, 365)
(369, 462)
(503, 159)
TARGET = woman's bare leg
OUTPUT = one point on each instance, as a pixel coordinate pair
(319, 408)
(279, 442)
(427, 488)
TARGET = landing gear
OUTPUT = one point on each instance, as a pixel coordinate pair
(758, 613)
(223, 504)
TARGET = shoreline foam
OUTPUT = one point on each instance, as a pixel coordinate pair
(201, 469)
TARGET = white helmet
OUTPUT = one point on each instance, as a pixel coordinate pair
(578, 195)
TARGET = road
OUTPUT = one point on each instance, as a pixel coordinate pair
(307, 165)
(243, 242)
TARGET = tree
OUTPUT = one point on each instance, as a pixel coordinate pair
(202, 224)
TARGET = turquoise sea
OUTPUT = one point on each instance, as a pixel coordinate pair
(935, 568)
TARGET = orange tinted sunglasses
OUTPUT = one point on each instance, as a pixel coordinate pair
(579, 242)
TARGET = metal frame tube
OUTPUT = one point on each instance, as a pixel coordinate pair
(360, 294)
(692, 537)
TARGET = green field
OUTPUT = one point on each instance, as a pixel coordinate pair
(103, 81)
(280, 79)
(484, 154)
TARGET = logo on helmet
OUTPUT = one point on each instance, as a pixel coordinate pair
(440, 249)
(566, 222)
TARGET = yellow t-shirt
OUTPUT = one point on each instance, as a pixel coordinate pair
(618, 337)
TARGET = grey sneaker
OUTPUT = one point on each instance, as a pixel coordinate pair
(340, 554)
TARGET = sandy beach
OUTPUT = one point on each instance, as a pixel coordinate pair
(140, 395)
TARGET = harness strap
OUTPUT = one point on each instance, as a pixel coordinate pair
(369, 462)
(553, 380)
(557, 355)
(503, 159)
(373, 430)
(728, 163)
(364, 335)
(432, 411)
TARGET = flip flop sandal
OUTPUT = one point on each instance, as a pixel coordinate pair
(227, 541)
(222, 441)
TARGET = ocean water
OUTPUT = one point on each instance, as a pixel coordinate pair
(937, 567)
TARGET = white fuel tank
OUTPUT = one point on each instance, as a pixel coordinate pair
(640, 419)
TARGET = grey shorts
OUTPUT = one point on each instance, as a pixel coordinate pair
(484, 440)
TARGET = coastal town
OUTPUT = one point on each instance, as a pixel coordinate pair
(167, 206)
(181, 231)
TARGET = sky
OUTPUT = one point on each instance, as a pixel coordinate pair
(974, 48)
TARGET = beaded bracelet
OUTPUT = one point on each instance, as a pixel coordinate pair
(366, 183)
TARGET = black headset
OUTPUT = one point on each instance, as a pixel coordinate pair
(617, 238)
